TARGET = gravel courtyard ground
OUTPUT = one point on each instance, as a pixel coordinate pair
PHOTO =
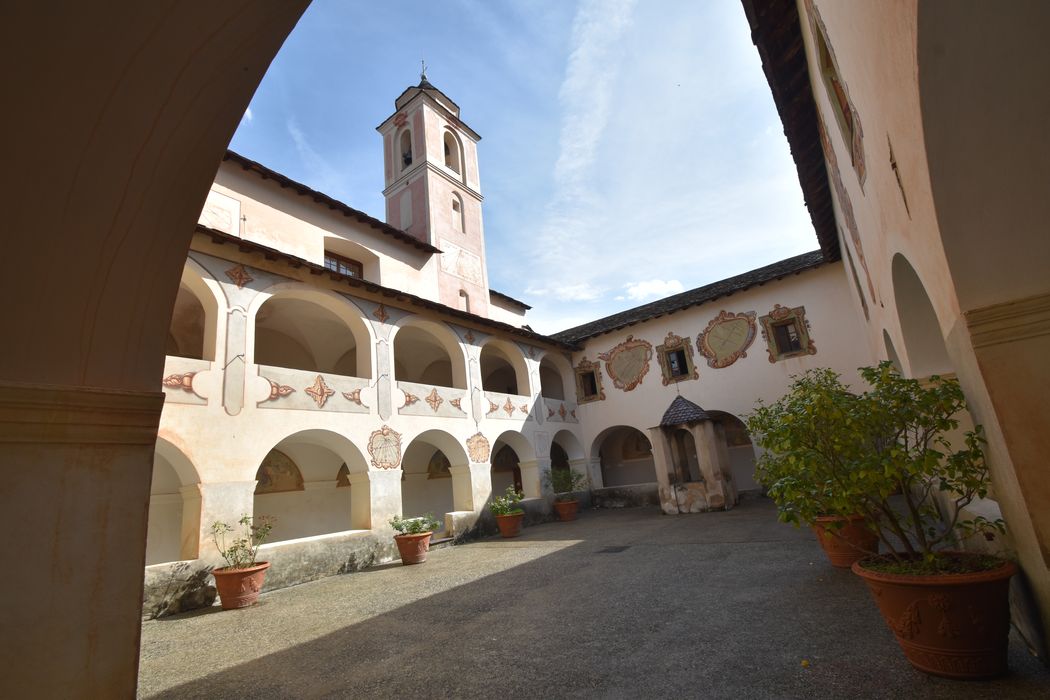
(626, 603)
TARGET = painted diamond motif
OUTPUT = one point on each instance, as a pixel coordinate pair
(319, 391)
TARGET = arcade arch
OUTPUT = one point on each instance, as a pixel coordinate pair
(299, 486)
(427, 353)
(311, 330)
(924, 344)
(435, 477)
(194, 318)
(173, 529)
(503, 368)
(555, 373)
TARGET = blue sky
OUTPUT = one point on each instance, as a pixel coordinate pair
(630, 149)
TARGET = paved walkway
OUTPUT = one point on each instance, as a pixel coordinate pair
(617, 604)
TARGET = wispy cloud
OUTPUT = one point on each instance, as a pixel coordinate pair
(326, 177)
(652, 289)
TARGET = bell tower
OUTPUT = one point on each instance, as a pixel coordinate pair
(432, 190)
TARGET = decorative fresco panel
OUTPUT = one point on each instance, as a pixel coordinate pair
(628, 362)
(278, 391)
(354, 397)
(278, 473)
(439, 467)
(434, 399)
(239, 275)
(180, 381)
(727, 338)
(319, 391)
(676, 359)
(478, 448)
(384, 445)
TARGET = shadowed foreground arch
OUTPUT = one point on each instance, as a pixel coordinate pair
(158, 90)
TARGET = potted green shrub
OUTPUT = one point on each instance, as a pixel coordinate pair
(812, 441)
(891, 460)
(508, 514)
(240, 581)
(564, 483)
(413, 538)
(948, 609)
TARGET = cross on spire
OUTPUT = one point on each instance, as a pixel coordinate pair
(423, 71)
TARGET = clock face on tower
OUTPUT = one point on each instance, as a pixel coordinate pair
(727, 338)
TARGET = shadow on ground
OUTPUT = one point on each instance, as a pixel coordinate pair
(617, 604)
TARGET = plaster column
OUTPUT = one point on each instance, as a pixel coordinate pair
(223, 502)
(532, 476)
(190, 537)
(375, 497)
(76, 464)
(592, 469)
(707, 454)
(471, 486)
(663, 463)
(582, 466)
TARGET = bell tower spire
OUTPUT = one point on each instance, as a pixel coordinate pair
(433, 191)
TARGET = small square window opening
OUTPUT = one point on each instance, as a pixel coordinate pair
(343, 266)
(589, 383)
(677, 363)
(786, 337)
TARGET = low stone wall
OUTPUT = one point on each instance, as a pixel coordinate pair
(630, 496)
(186, 585)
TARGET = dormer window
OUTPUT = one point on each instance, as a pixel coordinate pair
(343, 266)
(406, 148)
(453, 161)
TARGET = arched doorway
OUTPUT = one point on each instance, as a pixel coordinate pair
(731, 432)
(625, 455)
(306, 484)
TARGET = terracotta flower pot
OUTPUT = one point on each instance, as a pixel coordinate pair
(510, 525)
(413, 548)
(952, 625)
(852, 542)
(566, 510)
(239, 588)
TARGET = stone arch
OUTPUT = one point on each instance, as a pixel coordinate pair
(453, 151)
(570, 444)
(557, 380)
(291, 325)
(316, 505)
(891, 351)
(195, 317)
(173, 529)
(514, 463)
(924, 345)
(625, 456)
(117, 232)
(426, 352)
(503, 368)
(436, 476)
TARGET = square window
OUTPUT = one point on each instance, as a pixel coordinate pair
(676, 362)
(787, 337)
(343, 266)
(589, 384)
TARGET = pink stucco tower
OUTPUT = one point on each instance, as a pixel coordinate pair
(432, 190)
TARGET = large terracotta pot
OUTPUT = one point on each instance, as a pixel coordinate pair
(413, 548)
(566, 510)
(852, 542)
(952, 625)
(510, 525)
(239, 588)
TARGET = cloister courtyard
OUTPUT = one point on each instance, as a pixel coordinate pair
(620, 603)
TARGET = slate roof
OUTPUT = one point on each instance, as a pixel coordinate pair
(244, 246)
(330, 202)
(509, 299)
(682, 411)
(776, 31)
(693, 297)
